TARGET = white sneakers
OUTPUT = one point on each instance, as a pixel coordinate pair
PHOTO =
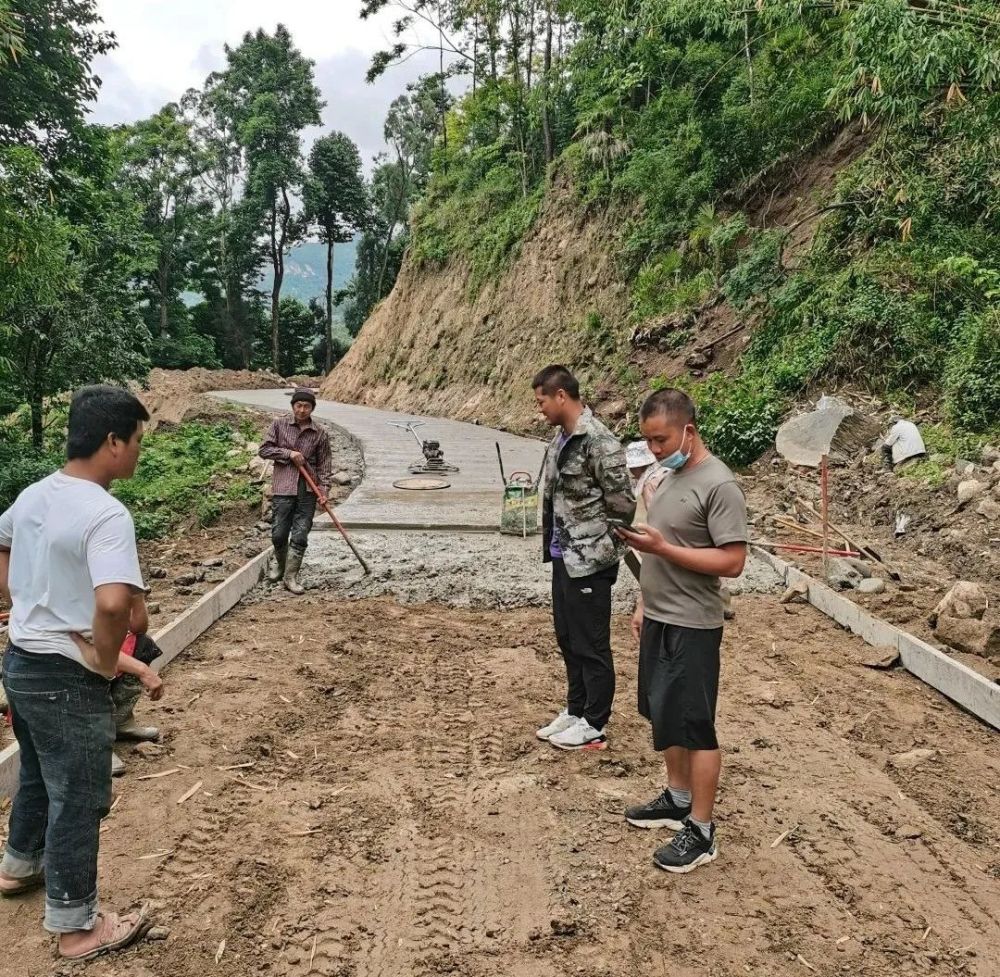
(562, 722)
(580, 736)
(573, 733)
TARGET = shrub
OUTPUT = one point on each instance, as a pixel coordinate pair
(972, 374)
(178, 477)
(738, 418)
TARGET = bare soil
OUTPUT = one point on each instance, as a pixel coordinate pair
(943, 543)
(171, 396)
(372, 801)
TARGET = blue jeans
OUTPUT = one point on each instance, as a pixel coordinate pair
(63, 723)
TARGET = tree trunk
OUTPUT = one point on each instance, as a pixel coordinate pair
(385, 260)
(162, 284)
(475, 53)
(441, 89)
(276, 322)
(532, 12)
(329, 301)
(546, 69)
(277, 265)
(36, 419)
(35, 395)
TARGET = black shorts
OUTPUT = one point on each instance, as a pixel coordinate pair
(679, 684)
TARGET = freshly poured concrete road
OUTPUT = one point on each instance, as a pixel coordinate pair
(472, 501)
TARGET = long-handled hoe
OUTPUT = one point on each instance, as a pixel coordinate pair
(314, 488)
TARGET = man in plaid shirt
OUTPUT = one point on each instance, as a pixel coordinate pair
(292, 440)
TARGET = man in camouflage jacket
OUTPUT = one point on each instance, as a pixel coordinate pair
(586, 483)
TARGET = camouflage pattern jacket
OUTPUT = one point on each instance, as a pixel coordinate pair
(585, 483)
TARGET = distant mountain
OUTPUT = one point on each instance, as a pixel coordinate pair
(305, 276)
(305, 270)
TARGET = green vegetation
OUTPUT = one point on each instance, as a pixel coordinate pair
(678, 118)
(671, 113)
(108, 233)
(187, 475)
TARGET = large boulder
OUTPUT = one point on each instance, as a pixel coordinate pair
(965, 600)
(846, 574)
(969, 489)
(969, 635)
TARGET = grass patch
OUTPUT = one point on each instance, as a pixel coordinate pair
(929, 472)
(192, 472)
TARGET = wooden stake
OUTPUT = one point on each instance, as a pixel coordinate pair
(796, 548)
(312, 956)
(824, 480)
(162, 773)
(188, 794)
(796, 527)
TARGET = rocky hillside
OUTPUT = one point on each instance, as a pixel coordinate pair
(759, 207)
(438, 346)
(435, 347)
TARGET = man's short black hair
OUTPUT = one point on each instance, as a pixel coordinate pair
(672, 403)
(554, 378)
(97, 411)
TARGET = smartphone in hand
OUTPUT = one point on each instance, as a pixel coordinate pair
(625, 527)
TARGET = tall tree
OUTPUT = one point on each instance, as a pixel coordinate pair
(72, 250)
(337, 202)
(409, 129)
(231, 253)
(380, 250)
(163, 165)
(46, 79)
(273, 97)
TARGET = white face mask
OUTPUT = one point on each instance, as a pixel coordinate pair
(678, 459)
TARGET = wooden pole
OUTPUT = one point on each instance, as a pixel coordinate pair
(824, 485)
(321, 499)
(796, 548)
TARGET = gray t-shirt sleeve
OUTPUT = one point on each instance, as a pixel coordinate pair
(726, 514)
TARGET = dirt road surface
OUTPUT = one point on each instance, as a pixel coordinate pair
(373, 803)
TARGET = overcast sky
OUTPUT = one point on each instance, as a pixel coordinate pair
(168, 46)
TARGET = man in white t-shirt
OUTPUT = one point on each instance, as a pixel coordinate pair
(68, 564)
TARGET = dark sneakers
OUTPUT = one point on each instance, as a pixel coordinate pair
(659, 813)
(687, 850)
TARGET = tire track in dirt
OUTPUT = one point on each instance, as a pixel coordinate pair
(432, 893)
(410, 824)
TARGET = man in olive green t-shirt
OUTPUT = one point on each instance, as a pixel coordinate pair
(696, 533)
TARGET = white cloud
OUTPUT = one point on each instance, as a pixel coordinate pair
(168, 46)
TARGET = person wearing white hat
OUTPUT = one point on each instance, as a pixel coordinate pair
(646, 473)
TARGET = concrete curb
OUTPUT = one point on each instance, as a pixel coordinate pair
(173, 639)
(951, 678)
(408, 527)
